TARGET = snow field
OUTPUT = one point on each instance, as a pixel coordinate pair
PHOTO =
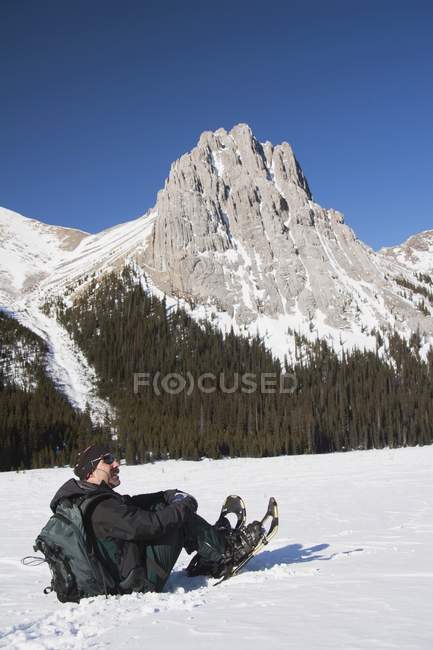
(351, 567)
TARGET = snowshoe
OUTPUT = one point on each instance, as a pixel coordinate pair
(247, 541)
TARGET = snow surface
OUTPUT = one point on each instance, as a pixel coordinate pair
(351, 567)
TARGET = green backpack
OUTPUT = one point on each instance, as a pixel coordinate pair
(67, 543)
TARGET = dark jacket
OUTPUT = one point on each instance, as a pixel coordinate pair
(124, 525)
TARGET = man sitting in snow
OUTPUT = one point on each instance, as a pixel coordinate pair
(139, 538)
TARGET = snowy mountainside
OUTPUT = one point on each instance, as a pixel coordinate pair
(350, 568)
(30, 251)
(415, 253)
(62, 260)
(101, 253)
(65, 364)
(32, 345)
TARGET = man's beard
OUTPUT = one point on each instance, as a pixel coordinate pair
(114, 479)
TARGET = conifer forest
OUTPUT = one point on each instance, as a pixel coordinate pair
(336, 402)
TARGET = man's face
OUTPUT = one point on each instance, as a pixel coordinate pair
(108, 472)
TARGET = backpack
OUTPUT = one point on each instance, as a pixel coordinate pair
(69, 548)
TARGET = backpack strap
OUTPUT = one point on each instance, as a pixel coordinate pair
(87, 505)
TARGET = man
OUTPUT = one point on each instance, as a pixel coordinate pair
(139, 538)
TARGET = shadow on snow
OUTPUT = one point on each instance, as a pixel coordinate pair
(290, 554)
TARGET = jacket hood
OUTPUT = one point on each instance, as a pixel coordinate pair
(74, 488)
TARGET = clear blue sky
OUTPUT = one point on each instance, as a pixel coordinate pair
(97, 98)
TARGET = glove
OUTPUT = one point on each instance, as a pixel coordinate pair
(176, 496)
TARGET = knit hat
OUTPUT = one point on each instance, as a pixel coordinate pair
(84, 465)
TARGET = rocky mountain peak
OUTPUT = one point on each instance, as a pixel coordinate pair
(237, 229)
(233, 218)
(225, 151)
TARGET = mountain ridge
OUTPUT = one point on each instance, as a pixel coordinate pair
(237, 238)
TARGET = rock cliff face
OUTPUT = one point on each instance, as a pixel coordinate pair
(224, 226)
(237, 228)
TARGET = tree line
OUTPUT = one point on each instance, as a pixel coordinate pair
(358, 400)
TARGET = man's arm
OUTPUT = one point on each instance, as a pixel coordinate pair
(146, 501)
(112, 518)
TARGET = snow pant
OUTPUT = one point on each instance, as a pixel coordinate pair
(196, 534)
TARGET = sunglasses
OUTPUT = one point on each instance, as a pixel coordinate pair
(107, 458)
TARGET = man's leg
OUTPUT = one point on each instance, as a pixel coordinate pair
(195, 535)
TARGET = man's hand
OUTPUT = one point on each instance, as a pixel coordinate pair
(176, 496)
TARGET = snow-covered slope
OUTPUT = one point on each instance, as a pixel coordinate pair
(351, 567)
(65, 364)
(101, 253)
(38, 262)
(415, 253)
(30, 250)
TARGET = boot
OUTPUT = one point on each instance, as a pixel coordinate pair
(200, 566)
(239, 544)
